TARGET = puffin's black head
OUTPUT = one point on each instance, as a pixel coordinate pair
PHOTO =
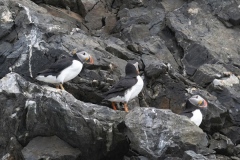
(131, 70)
(196, 101)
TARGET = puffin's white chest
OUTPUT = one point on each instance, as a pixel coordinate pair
(70, 72)
(197, 117)
(130, 93)
(134, 90)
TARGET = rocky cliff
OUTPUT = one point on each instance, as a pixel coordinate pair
(182, 47)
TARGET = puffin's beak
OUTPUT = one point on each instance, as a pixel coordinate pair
(90, 60)
(204, 104)
(138, 72)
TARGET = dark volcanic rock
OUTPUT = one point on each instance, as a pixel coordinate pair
(161, 133)
(49, 148)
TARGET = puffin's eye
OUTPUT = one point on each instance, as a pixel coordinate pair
(84, 53)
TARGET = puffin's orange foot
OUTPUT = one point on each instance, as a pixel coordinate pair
(114, 105)
(126, 107)
(61, 87)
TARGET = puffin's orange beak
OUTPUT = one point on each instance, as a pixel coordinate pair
(204, 104)
(91, 61)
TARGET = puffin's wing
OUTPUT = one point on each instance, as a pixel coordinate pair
(188, 114)
(121, 86)
(57, 67)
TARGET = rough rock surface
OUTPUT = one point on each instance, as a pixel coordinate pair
(97, 132)
(158, 134)
(49, 148)
(182, 47)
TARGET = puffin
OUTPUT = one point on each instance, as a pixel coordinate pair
(193, 110)
(126, 88)
(65, 69)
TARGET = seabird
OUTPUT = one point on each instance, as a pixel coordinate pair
(193, 109)
(65, 69)
(126, 88)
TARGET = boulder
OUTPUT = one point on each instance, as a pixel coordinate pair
(30, 110)
(158, 133)
(49, 148)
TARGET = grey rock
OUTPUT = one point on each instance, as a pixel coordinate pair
(227, 12)
(191, 155)
(36, 110)
(173, 158)
(183, 48)
(153, 67)
(149, 20)
(227, 94)
(158, 51)
(221, 144)
(222, 157)
(7, 21)
(156, 133)
(50, 148)
(206, 73)
(192, 28)
(233, 133)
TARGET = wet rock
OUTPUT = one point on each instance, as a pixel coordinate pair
(161, 133)
(49, 148)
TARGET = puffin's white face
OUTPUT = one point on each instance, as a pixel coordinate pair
(136, 65)
(85, 57)
(198, 101)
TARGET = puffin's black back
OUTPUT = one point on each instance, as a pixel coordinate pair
(56, 68)
(125, 83)
(189, 107)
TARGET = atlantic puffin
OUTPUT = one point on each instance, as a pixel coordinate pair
(126, 88)
(193, 110)
(65, 69)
